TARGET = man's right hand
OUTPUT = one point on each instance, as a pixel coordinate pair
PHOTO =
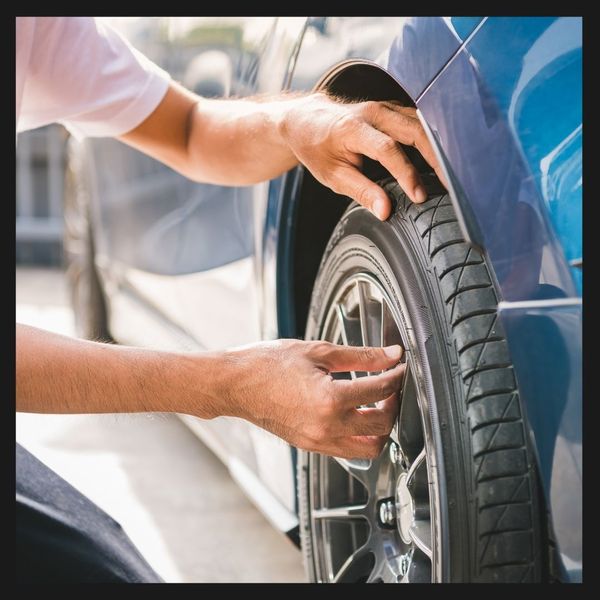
(286, 387)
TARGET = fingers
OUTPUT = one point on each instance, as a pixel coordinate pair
(373, 421)
(352, 447)
(367, 390)
(381, 147)
(415, 134)
(406, 128)
(337, 358)
(402, 124)
(351, 182)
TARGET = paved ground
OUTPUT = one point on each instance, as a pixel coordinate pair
(169, 492)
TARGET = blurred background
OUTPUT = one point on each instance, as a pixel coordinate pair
(173, 497)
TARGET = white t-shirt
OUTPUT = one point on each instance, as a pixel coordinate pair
(82, 73)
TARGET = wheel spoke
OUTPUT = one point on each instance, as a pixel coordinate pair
(370, 316)
(383, 573)
(419, 461)
(410, 430)
(349, 563)
(390, 334)
(350, 329)
(359, 468)
(355, 511)
(420, 533)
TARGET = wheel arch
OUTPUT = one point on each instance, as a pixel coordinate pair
(312, 210)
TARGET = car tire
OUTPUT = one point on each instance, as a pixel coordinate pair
(87, 296)
(484, 509)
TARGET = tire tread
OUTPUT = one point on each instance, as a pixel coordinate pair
(503, 471)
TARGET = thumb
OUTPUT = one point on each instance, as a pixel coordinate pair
(362, 358)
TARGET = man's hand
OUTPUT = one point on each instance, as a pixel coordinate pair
(330, 138)
(286, 387)
(245, 141)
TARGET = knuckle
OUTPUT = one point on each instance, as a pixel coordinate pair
(387, 388)
(329, 405)
(338, 186)
(370, 108)
(367, 353)
(362, 196)
(319, 433)
(411, 174)
(346, 123)
(320, 349)
(387, 146)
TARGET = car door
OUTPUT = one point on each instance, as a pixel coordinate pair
(158, 234)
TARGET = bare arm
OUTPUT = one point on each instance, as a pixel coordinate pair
(57, 374)
(240, 142)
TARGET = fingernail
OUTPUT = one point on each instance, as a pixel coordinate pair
(380, 208)
(420, 194)
(394, 352)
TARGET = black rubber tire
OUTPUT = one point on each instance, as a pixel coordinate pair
(87, 296)
(495, 529)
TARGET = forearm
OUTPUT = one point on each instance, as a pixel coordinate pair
(226, 142)
(57, 374)
(238, 142)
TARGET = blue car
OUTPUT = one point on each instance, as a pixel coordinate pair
(481, 478)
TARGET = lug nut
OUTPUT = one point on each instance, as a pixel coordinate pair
(395, 455)
(387, 513)
(404, 564)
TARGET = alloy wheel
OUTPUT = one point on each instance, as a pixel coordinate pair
(375, 520)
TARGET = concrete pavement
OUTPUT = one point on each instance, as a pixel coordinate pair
(172, 496)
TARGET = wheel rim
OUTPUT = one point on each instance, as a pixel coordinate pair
(375, 520)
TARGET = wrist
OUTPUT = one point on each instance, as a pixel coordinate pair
(208, 383)
(287, 116)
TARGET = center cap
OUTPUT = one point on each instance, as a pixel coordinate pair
(405, 509)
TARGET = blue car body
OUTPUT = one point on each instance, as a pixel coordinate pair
(198, 266)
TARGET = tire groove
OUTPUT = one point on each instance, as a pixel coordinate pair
(432, 227)
(481, 341)
(505, 503)
(477, 362)
(504, 476)
(498, 449)
(456, 292)
(430, 224)
(458, 266)
(475, 313)
(499, 531)
(485, 368)
(527, 571)
(504, 411)
(468, 288)
(506, 564)
(500, 518)
(494, 421)
(423, 212)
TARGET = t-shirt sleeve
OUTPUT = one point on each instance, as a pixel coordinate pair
(84, 74)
